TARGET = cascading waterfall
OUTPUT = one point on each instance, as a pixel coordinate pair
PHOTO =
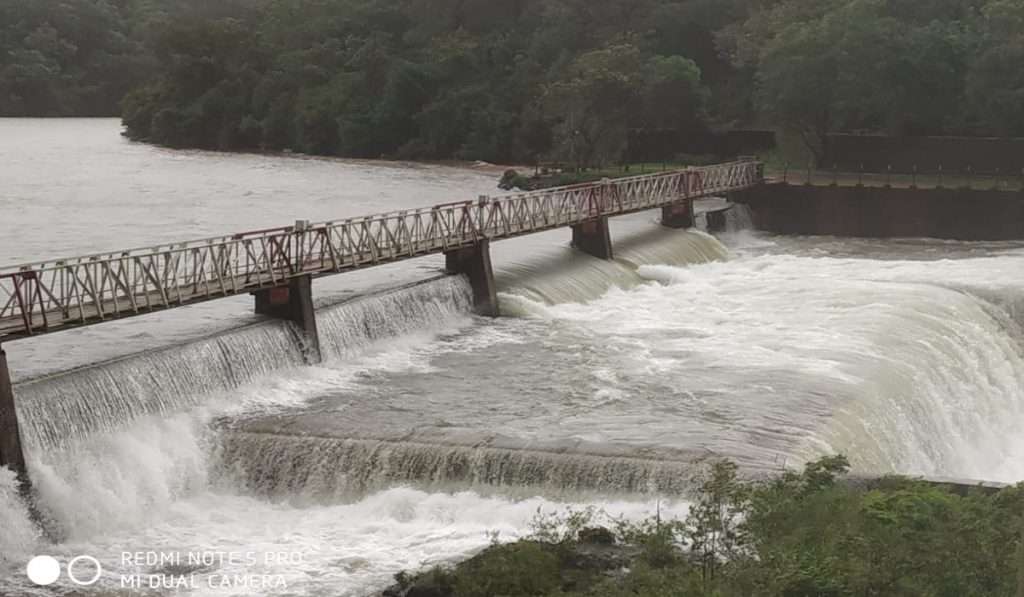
(738, 217)
(124, 479)
(102, 398)
(133, 434)
(562, 275)
(329, 469)
(941, 395)
(19, 533)
(901, 372)
(346, 329)
(670, 247)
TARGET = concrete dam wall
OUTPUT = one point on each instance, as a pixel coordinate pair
(886, 212)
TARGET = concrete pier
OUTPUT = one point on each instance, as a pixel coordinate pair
(11, 454)
(678, 215)
(475, 263)
(294, 303)
(592, 237)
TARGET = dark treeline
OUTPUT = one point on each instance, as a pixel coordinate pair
(470, 79)
(80, 57)
(516, 80)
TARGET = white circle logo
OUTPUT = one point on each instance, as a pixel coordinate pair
(43, 570)
(80, 582)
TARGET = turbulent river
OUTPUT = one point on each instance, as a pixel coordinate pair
(427, 430)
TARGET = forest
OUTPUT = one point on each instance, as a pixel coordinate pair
(517, 81)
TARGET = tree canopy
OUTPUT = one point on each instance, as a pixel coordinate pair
(520, 80)
(469, 79)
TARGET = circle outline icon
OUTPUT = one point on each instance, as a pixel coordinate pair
(93, 580)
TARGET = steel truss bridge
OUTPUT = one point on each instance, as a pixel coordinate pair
(48, 296)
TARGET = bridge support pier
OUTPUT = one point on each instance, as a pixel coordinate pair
(293, 303)
(592, 237)
(475, 263)
(678, 215)
(11, 454)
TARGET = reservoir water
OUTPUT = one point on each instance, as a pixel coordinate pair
(427, 431)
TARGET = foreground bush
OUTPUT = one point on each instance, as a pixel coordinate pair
(808, 534)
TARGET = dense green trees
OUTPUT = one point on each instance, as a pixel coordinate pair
(80, 57)
(894, 66)
(519, 80)
(74, 57)
(995, 83)
(561, 79)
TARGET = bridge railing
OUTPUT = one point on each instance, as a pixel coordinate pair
(37, 296)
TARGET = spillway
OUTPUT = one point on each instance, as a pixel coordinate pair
(606, 383)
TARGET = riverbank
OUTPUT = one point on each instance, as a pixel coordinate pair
(808, 533)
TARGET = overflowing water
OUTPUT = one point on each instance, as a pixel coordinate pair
(555, 275)
(427, 430)
(348, 329)
(102, 398)
(328, 468)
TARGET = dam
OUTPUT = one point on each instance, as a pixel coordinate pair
(277, 266)
(424, 426)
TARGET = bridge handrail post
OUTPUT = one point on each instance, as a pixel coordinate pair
(482, 204)
(604, 203)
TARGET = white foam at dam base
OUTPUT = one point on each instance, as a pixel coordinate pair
(19, 535)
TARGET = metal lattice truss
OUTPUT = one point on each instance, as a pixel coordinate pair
(42, 297)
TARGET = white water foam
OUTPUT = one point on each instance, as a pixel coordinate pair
(19, 534)
(900, 371)
(342, 549)
(564, 275)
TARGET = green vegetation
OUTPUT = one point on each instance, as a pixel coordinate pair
(513, 82)
(80, 57)
(497, 81)
(897, 66)
(808, 534)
